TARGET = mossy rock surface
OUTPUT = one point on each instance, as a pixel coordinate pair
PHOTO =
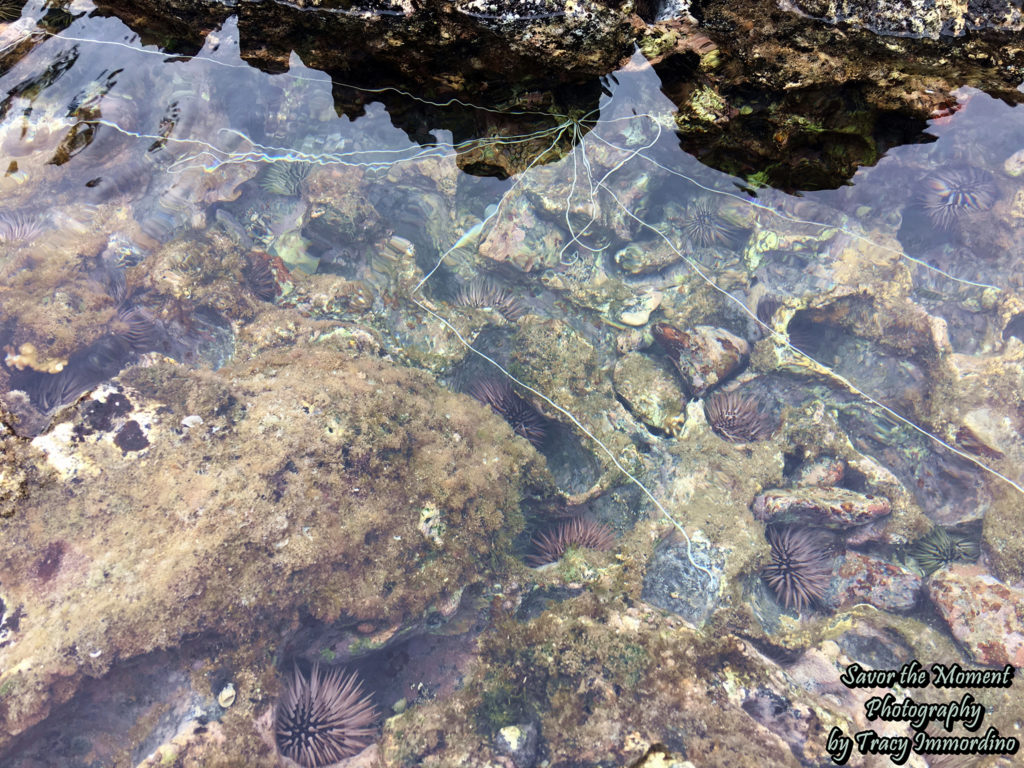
(299, 492)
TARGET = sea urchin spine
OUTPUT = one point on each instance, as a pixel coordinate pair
(950, 195)
(524, 419)
(705, 228)
(323, 718)
(577, 532)
(735, 418)
(486, 294)
(800, 569)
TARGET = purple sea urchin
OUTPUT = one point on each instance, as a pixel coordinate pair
(20, 226)
(484, 294)
(520, 415)
(705, 228)
(260, 277)
(323, 718)
(579, 532)
(950, 195)
(138, 328)
(735, 418)
(800, 569)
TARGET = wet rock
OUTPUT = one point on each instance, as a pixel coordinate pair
(782, 716)
(984, 614)
(704, 356)
(1014, 164)
(122, 717)
(638, 311)
(650, 390)
(585, 673)
(280, 502)
(13, 479)
(825, 472)
(659, 757)
(874, 647)
(919, 18)
(835, 508)
(641, 258)
(861, 578)
(876, 530)
(131, 437)
(519, 742)
(673, 581)
(989, 434)
(339, 210)
(521, 240)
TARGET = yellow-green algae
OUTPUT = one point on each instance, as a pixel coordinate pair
(301, 489)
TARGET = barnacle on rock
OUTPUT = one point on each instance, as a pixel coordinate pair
(578, 532)
(736, 418)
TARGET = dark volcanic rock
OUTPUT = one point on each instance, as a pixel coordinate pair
(919, 18)
(673, 583)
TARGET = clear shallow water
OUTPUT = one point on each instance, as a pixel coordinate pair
(139, 185)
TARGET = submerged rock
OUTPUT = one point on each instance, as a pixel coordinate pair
(825, 472)
(674, 582)
(650, 391)
(298, 490)
(862, 578)
(835, 508)
(519, 742)
(919, 18)
(704, 356)
(984, 614)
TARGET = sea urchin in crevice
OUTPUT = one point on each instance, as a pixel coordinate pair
(577, 532)
(801, 566)
(323, 718)
(940, 548)
(486, 294)
(524, 419)
(735, 418)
